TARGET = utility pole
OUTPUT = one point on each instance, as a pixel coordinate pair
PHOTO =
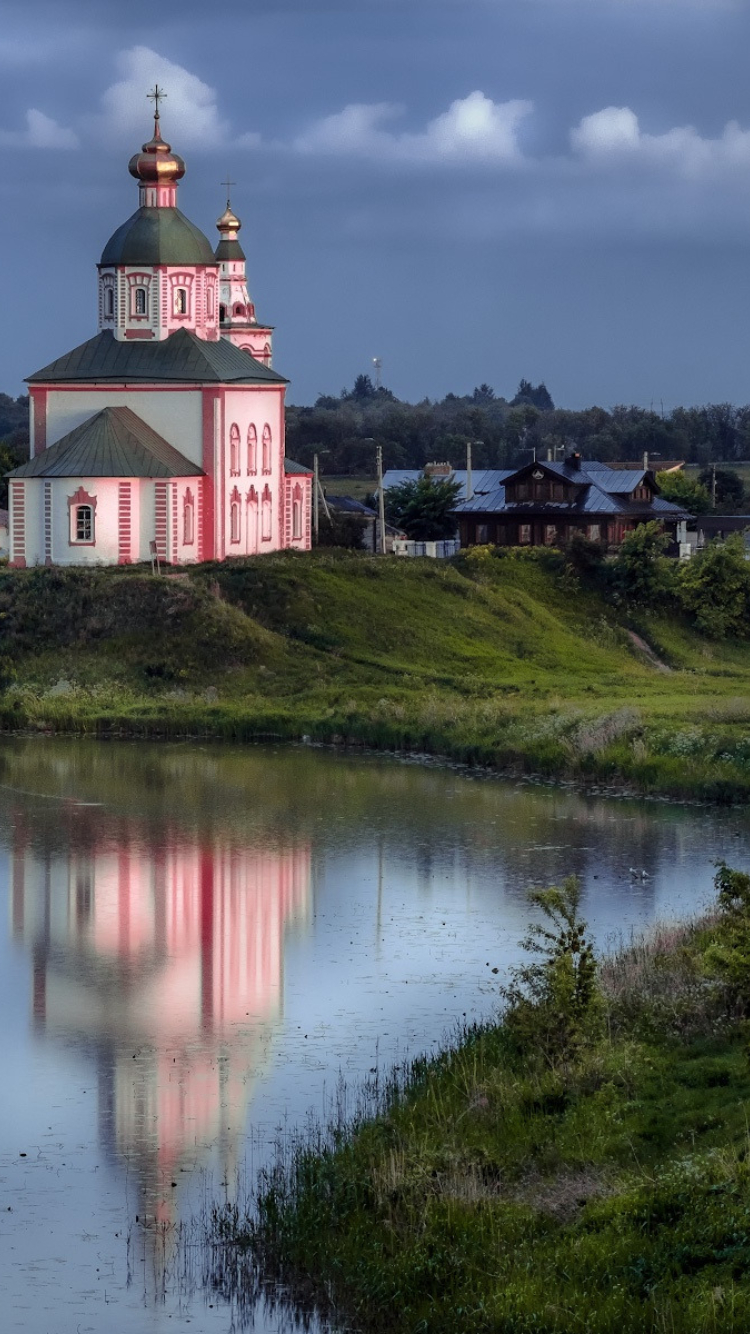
(318, 495)
(381, 499)
(469, 480)
(713, 486)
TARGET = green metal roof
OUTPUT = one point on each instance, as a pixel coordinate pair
(183, 358)
(113, 443)
(291, 467)
(158, 236)
(229, 250)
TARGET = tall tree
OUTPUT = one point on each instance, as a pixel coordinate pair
(424, 509)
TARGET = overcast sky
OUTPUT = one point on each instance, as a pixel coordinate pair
(473, 190)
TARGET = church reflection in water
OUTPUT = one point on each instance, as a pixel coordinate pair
(164, 963)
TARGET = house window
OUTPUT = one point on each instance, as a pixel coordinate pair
(252, 449)
(550, 534)
(558, 491)
(180, 301)
(234, 451)
(140, 301)
(265, 530)
(266, 449)
(188, 520)
(297, 513)
(522, 491)
(594, 532)
(482, 533)
(524, 534)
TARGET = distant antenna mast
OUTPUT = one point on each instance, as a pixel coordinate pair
(377, 366)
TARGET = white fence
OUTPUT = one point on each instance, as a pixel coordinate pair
(434, 550)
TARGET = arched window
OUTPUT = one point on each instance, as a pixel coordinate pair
(252, 449)
(188, 519)
(180, 301)
(84, 523)
(235, 517)
(266, 449)
(109, 302)
(266, 354)
(251, 528)
(210, 302)
(82, 511)
(140, 301)
(234, 451)
(239, 310)
(297, 512)
(222, 314)
(266, 516)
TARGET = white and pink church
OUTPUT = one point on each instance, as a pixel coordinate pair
(163, 434)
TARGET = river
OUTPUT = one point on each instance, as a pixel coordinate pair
(202, 940)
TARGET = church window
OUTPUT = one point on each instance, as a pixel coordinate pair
(266, 449)
(251, 530)
(239, 310)
(234, 451)
(297, 512)
(84, 524)
(235, 521)
(109, 302)
(266, 353)
(188, 519)
(222, 314)
(252, 449)
(180, 301)
(140, 301)
(210, 303)
(266, 519)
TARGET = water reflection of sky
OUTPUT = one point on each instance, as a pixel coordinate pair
(201, 938)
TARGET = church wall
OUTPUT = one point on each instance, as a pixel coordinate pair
(104, 491)
(252, 487)
(175, 414)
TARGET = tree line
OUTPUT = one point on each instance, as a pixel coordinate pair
(504, 433)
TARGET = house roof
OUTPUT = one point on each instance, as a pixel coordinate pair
(183, 358)
(291, 467)
(348, 505)
(113, 443)
(483, 480)
(158, 236)
(599, 490)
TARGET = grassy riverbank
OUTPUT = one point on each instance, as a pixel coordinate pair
(499, 661)
(585, 1165)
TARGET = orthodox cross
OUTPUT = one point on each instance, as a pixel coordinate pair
(156, 97)
(229, 185)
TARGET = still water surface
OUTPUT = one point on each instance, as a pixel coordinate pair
(201, 939)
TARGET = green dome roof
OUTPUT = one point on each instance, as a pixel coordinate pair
(158, 236)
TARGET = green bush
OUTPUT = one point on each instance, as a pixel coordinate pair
(714, 588)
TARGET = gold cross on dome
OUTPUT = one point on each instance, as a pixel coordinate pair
(229, 185)
(156, 97)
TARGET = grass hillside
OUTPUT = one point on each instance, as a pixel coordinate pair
(500, 661)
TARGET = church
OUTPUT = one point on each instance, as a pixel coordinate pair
(163, 435)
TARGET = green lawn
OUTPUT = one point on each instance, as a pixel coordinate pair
(504, 662)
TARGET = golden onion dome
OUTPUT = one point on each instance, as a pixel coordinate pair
(156, 164)
(228, 222)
